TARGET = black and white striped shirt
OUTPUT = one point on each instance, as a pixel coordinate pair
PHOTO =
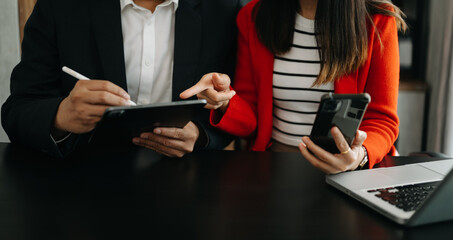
(295, 101)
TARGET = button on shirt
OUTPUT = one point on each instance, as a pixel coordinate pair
(148, 39)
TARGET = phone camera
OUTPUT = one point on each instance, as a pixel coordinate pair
(332, 106)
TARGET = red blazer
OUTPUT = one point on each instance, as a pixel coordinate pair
(249, 114)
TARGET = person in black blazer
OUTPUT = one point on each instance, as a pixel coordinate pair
(87, 36)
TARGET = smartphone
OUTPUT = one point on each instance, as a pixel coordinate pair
(342, 110)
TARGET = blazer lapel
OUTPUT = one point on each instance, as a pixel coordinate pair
(106, 18)
(188, 36)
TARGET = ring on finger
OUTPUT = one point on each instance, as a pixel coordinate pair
(347, 151)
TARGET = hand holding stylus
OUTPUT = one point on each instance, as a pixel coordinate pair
(82, 77)
(83, 108)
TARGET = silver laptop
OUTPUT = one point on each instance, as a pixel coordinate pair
(411, 195)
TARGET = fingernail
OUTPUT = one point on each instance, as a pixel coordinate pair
(136, 141)
(131, 103)
(157, 131)
(234, 92)
(303, 144)
(143, 135)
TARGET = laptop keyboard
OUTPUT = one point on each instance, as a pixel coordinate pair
(407, 197)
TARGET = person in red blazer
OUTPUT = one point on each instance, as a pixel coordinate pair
(246, 109)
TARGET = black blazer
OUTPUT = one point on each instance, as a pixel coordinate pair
(86, 35)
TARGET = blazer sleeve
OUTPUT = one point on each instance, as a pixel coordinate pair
(240, 118)
(28, 113)
(381, 121)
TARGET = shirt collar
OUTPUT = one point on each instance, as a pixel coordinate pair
(125, 3)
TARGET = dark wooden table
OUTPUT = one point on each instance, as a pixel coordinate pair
(137, 194)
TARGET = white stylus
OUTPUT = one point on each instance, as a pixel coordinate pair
(81, 77)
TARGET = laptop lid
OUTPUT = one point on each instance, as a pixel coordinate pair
(438, 207)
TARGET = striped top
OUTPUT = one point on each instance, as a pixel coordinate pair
(295, 101)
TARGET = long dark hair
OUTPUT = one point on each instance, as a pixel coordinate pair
(341, 30)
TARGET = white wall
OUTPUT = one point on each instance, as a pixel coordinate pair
(411, 105)
(9, 49)
(439, 76)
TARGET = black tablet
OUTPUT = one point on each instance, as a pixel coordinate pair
(121, 124)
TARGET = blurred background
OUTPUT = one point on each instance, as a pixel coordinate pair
(425, 104)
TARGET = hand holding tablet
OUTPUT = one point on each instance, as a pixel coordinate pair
(122, 124)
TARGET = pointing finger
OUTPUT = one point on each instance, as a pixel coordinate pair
(204, 83)
(194, 90)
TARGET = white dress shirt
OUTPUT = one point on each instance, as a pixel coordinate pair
(148, 39)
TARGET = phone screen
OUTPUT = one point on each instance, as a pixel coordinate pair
(342, 110)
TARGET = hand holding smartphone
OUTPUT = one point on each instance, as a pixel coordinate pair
(344, 111)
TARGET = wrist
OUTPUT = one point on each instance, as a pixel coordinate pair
(57, 127)
(202, 139)
(58, 124)
(364, 161)
(57, 133)
(224, 106)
